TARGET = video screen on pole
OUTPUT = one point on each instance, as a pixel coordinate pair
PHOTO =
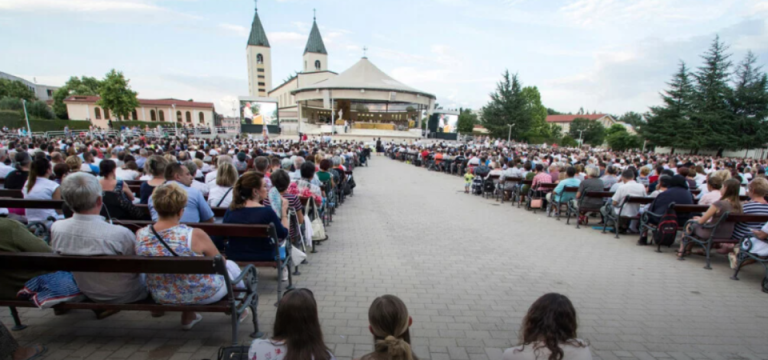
(258, 113)
(448, 122)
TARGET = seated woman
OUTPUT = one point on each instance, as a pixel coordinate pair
(297, 333)
(729, 202)
(129, 170)
(39, 187)
(17, 177)
(60, 171)
(280, 182)
(324, 175)
(247, 208)
(390, 324)
(220, 194)
(154, 167)
(757, 205)
(74, 162)
(118, 197)
(304, 187)
(549, 332)
(167, 237)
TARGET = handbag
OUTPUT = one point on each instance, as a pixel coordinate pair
(318, 230)
(233, 353)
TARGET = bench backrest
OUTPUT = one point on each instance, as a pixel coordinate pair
(546, 186)
(747, 218)
(638, 200)
(11, 193)
(570, 189)
(58, 204)
(113, 264)
(231, 230)
(691, 208)
(598, 194)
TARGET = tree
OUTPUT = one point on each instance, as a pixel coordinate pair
(39, 109)
(749, 103)
(551, 111)
(669, 125)
(622, 140)
(591, 132)
(74, 86)
(508, 106)
(410, 108)
(711, 121)
(16, 89)
(632, 118)
(116, 95)
(466, 122)
(569, 141)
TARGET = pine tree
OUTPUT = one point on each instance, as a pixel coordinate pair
(669, 124)
(749, 103)
(507, 106)
(711, 119)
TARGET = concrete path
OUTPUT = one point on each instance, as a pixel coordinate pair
(468, 269)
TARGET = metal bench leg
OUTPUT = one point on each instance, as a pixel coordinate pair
(256, 334)
(18, 326)
(708, 251)
(742, 257)
(235, 324)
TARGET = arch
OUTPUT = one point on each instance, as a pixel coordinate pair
(134, 115)
(317, 64)
(152, 115)
(178, 115)
(98, 113)
(259, 59)
(162, 115)
(188, 116)
(201, 117)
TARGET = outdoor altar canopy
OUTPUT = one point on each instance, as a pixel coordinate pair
(363, 97)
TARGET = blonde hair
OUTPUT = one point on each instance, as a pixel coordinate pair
(170, 158)
(758, 187)
(226, 175)
(644, 171)
(199, 163)
(169, 199)
(389, 321)
(74, 163)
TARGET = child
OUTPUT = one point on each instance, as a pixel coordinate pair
(468, 180)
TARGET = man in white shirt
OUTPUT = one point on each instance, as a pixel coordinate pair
(630, 187)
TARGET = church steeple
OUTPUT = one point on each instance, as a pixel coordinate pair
(315, 55)
(259, 59)
(258, 36)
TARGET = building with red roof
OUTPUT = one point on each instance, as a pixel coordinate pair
(564, 121)
(82, 107)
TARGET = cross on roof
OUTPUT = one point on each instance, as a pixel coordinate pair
(365, 50)
(256, 5)
(314, 14)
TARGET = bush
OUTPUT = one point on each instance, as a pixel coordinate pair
(568, 141)
(9, 103)
(39, 109)
(15, 119)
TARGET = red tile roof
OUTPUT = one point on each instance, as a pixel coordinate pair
(477, 126)
(570, 118)
(144, 102)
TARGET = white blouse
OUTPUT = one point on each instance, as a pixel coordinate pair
(43, 190)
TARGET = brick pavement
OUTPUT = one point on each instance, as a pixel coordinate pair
(467, 269)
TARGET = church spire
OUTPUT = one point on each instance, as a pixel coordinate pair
(258, 36)
(315, 43)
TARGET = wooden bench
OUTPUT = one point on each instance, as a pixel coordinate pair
(707, 243)
(502, 185)
(545, 187)
(647, 228)
(558, 205)
(490, 179)
(11, 193)
(59, 204)
(617, 217)
(520, 195)
(238, 231)
(584, 210)
(233, 304)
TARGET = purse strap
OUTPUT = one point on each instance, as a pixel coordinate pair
(224, 197)
(152, 227)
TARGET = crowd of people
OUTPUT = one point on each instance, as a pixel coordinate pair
(727, 185)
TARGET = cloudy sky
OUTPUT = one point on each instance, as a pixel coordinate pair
(606, 55)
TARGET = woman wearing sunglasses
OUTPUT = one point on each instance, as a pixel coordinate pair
(297, 334)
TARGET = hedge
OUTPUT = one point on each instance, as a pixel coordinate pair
(141, 124)
(14, 119)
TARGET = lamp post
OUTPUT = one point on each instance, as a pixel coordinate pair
(580, 141)
(509, 136)
(175, 121)
(26, 117)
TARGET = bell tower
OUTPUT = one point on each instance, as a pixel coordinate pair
(315, 55)
(259, 57)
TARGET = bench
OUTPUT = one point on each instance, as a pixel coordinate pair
(646, 227)
(558, 205)
(238, 231)
(545, 187)
(743, 256)
(234, 303)
(490, 180)
(519, 193)
(11, 193)
(16, 203)
(617, 217)
(584, 210)
(511, 192)
(707, 243)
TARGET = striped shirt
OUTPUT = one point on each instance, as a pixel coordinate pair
(742, 230)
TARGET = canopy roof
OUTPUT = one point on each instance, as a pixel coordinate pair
(363, 76)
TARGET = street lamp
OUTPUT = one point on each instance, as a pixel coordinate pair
(26, 117)
(509, 136)
(580, 141)
(175, 121)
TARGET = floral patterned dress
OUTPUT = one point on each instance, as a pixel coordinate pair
(305, 189)
(180, 289)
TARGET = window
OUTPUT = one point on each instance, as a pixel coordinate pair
(317, 64)
(201, 117)
(106, 113)
(261, 76)
(134, 115)
(259, 59)
(162, 115)
(50, 92)
(178, 116)
(188, 115)
(260, 70)
(261, 84)
(98, 113)
(152, 115)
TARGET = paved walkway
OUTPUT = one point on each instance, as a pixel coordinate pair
(467, 269)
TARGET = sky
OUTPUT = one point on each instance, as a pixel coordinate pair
(610, 56)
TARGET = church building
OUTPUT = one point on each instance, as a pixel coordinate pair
(314, 68)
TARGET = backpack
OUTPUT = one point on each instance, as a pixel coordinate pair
(666, 232)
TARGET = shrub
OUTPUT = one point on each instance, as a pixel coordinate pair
(15, 119)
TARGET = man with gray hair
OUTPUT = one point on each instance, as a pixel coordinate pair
(142, 158)
(87, 234)
(296, 174)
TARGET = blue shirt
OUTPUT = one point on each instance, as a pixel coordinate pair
(254, 249)
(197, 209)
(569, 182)
(140, 162)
